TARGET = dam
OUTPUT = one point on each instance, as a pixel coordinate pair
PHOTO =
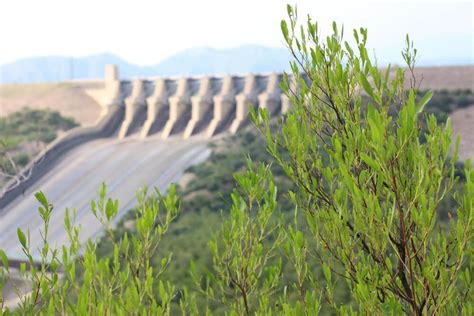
(148, 133)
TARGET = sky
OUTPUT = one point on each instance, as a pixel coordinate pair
(145, 32)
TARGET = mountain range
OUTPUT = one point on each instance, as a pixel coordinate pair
(196, 61)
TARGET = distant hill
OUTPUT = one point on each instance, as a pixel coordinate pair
(243, 59)
(197, 61)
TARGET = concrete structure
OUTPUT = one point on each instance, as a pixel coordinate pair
(286, 105)
(189, 106)
(201, 107)
(135, 109)
(272, 97)
(158, 109)
(84, 100)
(180, 108)
(224, 106)
(244, 100)
(111, 74)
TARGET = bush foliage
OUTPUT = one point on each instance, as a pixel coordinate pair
(33, 125)
(27, 125)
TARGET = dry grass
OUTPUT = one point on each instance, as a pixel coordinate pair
(68, 99)
(449, 78)
(463, 124)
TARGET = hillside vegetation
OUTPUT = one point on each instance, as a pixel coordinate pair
(24, 133)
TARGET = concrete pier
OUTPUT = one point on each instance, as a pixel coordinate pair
(157, 109)
(224, 106)
(271, 98)
(112, 94)
(286, 105)
(243, 102)
(135, 108)
(201, 106)
(180, 108)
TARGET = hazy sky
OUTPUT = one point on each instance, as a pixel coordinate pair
(145, 32)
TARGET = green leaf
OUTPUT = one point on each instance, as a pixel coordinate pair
(67, 222)
(4, 258)
(164, 262)
(356, 36)
(162, 290)
(299, 240)
(388, 263)
(349, 49)
(110, 209)
(102, 192)
(284, 30)
(327, 273)
(426, 98)
(366, 85)
(22, 268)
(93, 208)
(411, 104)
(21, 237)
(42, 199)
(369, 161)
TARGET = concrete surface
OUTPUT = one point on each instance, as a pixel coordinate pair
(124, 165)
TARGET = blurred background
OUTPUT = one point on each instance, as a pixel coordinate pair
(54, 40)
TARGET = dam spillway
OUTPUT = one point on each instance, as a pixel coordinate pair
(123, 165)
(149, 132)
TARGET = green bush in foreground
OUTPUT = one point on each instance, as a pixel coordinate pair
(371, 207)
(369, 184)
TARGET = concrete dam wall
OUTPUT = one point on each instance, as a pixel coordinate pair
(190, 106)
(148, 133)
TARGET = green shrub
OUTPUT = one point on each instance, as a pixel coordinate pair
(123, 284)
(372, 207)
(33, 125)
(21, 159)
(465, 101)
(19, 128)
